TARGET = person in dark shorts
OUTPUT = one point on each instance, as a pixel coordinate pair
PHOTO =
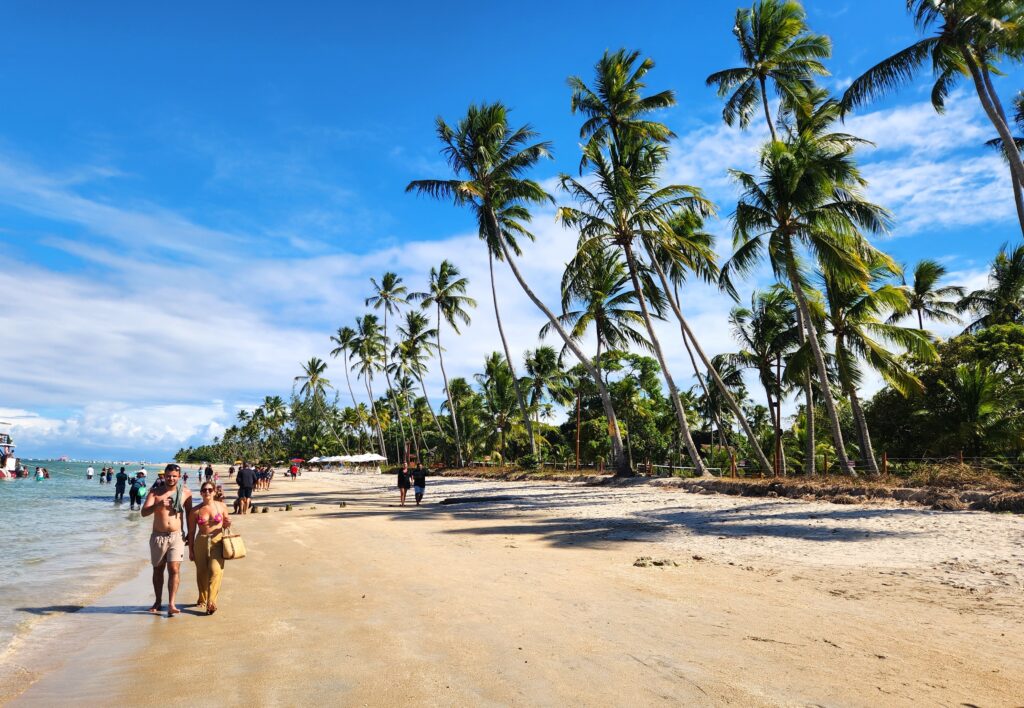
(135, 490)
(121, 481)
(419, 482)
(403, 482)
(246, 481)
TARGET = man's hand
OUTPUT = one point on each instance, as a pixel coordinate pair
(191, 554)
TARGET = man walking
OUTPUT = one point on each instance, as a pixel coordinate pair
(246, 481)
(169, 505)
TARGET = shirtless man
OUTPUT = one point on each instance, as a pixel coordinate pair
(169, 505)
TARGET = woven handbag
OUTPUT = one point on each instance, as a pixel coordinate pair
(233, 545)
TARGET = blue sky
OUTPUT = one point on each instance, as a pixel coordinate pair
(193, 197)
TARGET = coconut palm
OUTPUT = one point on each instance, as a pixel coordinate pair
(970, 37)
(345, 340)
(808, 195)
(546, 378)
(415, 348)
(368, 350)
(980, 408)
(924, 297)
(498, 398)
(767, 334)
(854, 320)
(489, 159)
(446, 293)
(1003, 301)
(776, 46)
(314, 383)
(389, 295)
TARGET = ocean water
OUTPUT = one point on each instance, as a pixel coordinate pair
(63, 542)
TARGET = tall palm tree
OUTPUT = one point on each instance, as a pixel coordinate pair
(345, 340)
(927, 299)
(970, 37)
(368, 349)
(489, 159)
(622, 204)
(854, 320)
(808, 195)
(415, 348)
(1003, 301)
(775, 45)
(389, 295)
(498, 397)
(314, 383)
(766, 334)
(447, 293)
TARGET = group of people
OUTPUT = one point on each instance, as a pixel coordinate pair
(180, 524)
(106, 474)
(416, 478)
(250, 478)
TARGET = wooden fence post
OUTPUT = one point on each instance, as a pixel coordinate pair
(885, 463)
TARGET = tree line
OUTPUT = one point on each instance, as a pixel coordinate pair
(840, 309)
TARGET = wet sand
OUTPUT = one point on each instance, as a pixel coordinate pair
(534, 599)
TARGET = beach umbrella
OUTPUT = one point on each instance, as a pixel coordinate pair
(297, 459)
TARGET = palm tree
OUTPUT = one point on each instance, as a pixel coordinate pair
(446, 293)
(853, 320)
(980, 408)
(623, 205)
(1003, 301)
(415, 348)
(546, 378)
(598, 281)
(498, 397)
(489, 160)
(775, 45)
(368, 349)
(345, 339)
(767, 335)
(389, 295)
(925, 298)
(808, 194)
(970, 37)
(314, 383)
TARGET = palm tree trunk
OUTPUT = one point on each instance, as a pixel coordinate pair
(1012, 156)
(920, 319)
(619, 461)
(391, 391)
(819, 362)
(684, 425)
(373, 411)
(1018, 196)
(767, 112)
(867, 452)
(448, 393)
(348, 381)
(716, 420)
(780, 450)
(508, 357)
(730, 400)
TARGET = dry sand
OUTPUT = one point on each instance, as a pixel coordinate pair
(535, 600)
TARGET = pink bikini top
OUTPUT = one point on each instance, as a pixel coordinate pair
(217, 518)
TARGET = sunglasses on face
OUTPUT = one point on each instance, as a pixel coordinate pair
(206, 491)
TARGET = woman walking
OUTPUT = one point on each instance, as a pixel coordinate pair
(403, 482)
(207, 523)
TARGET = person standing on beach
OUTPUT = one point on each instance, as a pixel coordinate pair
(206, 524)
(403, 482)
(120, 481)
(246, 480)
(169, 505)
(419, 482)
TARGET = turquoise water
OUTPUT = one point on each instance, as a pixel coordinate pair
(64, 542)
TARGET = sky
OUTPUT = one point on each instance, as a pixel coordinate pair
(193, 196)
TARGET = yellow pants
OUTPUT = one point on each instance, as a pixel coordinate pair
(209, 554)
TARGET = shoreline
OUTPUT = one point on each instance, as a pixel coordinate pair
(763, 602)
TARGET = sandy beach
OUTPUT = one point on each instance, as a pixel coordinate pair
(529, 593)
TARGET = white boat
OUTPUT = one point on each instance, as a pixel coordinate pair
(8, 460)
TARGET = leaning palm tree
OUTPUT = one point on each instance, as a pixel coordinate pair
(489, 159)
(776, 46)
(970, 37)
(389, 295)
(854, 321)
(808, 195)
(927, 299)
(345, 340)
(446, 293)
(1002, 302)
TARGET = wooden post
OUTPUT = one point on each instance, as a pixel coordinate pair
(732, 464)
(885, 463)
(824, 462)
(961, 457)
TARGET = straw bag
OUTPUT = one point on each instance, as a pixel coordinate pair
(233, 545)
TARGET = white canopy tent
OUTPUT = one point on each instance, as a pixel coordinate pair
(349, 459)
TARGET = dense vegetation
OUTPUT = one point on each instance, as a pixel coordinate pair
(840, 309)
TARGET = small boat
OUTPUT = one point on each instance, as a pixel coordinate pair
(8, 460)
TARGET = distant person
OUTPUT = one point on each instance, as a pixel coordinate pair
(209, 473)
(294, 470)
(219, 493)
(206, 524)
(119, 484)
(419, 482)
(169, 506)
(246, 481)
(89, 472)
(136, 492)
(403, 482)
(110, 475)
